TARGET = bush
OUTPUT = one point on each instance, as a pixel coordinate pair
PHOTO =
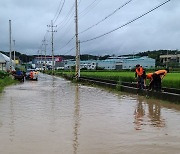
(3, 74)
(5, 82)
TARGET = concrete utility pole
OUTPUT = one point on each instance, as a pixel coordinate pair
(77, 75)
(41, 59)
(14, 51)
(79, 58)
(52, 42)
(44, 43)
(38, 59)
(167, 60)
(10, 49)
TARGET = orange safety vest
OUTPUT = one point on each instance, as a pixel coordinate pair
(31, 75)
(139, 71)
(149, 76)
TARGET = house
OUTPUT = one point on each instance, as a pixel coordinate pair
(5, 63)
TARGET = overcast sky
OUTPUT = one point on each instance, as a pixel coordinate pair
(158, 30)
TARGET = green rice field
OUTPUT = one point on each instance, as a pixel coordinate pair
(171, 80)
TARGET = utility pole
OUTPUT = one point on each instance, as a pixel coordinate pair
(38, 59)
(14, 51)
(167, 59)
(52, 43)
(10, 49)
(79, 58)
(41, 59)
(44, 43)
(77, 75)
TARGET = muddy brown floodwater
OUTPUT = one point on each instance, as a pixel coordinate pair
(55, 116)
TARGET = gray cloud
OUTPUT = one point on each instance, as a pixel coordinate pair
(157, 30)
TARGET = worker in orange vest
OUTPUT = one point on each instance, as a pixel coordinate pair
(157, 77)
(31, 75)
(151, 84)
(141, 76)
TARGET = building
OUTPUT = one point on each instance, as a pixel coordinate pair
(87, 64)
(5, 63)
(146, 62)
(41, 62)
(166, 59)
(113, 63)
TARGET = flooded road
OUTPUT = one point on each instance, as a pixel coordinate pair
(55, 116)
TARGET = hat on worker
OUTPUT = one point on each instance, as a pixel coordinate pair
(137, 65)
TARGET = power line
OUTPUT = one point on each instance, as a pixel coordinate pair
(88, 8)
(57, 10)
(69, 50)
(106, 17)
(127, 22)
(60, 11)
(68, 42)
(79, 2)
(66, 19)
(69, 25)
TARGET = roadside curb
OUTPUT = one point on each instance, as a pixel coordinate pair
(130, 87)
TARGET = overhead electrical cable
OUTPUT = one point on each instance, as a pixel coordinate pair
(79, 2)
(127, 22)
(106, 17)
(88, 8)
(60, 11)
(66, 22)
(68, 42)
(57, 10)
(69, 25)
(67, 17)
(69, 50)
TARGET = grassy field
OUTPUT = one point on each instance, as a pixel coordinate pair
(171, 80)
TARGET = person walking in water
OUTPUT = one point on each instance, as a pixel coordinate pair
(140, 75)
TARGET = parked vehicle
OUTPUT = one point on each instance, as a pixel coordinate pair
(18, 75)
(31, 74)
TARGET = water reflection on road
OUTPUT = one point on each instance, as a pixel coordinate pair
(148, 114)
(55, 116)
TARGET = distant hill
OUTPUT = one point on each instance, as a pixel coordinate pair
(151, 54)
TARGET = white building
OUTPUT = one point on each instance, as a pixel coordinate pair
(126, 63)
(146, 62)
(47, 61)
(114, 64)
(5, 63)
